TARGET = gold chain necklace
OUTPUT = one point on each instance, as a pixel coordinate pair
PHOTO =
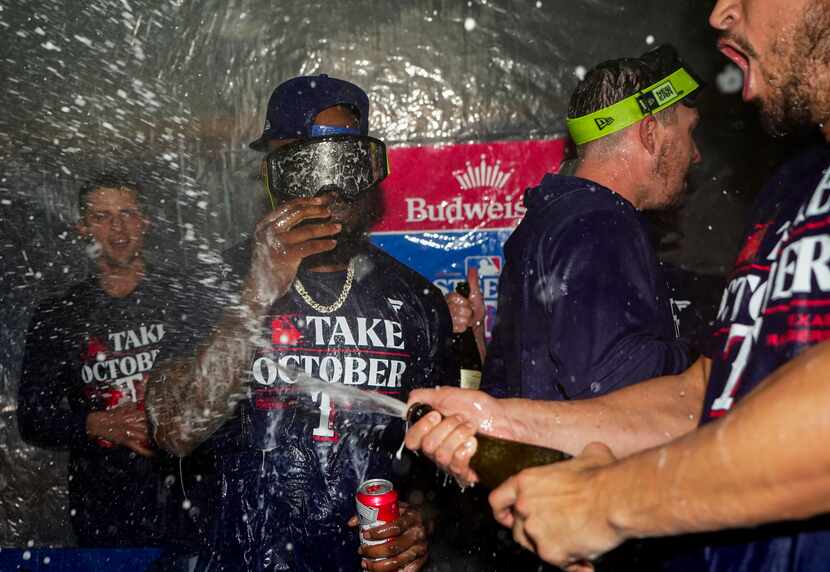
(298, 286)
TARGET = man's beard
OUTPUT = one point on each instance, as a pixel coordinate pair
(349, 244)
(798, 96)
(354, 237)
(663, 173)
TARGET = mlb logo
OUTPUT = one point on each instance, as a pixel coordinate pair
(486, 265)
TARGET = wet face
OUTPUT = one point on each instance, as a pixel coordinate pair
(350, 214)
(112, 218)
(355, 216)
(783, 49)
(676, 155)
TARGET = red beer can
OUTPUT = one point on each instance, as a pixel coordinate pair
(377, 503)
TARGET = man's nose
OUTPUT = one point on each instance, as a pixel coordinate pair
(118, 221)
(725, 14)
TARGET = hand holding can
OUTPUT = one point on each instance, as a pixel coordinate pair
(377, 504)
(392, 534)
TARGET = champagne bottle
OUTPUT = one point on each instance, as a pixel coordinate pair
(497, 459)
(465, 349)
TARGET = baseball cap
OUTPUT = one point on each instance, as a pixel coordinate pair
(294, 104)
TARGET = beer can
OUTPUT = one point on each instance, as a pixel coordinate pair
(377, 503)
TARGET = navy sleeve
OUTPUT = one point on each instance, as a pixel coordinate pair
(494, 379)
(48, 411)
(600, 292)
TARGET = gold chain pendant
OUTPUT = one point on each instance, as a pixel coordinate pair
(298, 286)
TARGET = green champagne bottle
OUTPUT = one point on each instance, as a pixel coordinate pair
(496, 460)
(465, 349)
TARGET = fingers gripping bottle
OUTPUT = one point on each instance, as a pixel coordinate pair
(496, 460)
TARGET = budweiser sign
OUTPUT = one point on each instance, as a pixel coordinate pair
(484, 176)
(457, 187)
(458, 211)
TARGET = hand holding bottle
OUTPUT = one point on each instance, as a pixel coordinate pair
(561, 511)
(469, 311)
(447, 436)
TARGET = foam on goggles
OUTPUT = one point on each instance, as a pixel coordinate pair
(348, 165)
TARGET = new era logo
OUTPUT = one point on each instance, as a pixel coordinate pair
(603, 122)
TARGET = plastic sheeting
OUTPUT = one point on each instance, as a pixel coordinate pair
(178, 88)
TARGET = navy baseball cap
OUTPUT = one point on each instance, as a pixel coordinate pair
(296, 102)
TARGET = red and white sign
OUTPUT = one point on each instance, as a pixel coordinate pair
(465, 186)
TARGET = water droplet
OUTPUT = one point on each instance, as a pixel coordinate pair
(730, 80)
(469, 24)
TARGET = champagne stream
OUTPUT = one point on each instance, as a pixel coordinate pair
(347, 397)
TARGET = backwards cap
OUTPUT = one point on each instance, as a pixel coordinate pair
(296, 102)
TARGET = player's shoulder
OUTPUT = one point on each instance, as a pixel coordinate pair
(397, 275)
(78, 294)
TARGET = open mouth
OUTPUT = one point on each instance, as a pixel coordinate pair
(741, 60)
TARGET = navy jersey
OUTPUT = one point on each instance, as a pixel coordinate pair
(87, 351)
(583, 306)
(290, 463)
(776, 305)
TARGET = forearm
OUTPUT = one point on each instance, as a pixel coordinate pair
(634, 418)
(765, 461)
(189, 399)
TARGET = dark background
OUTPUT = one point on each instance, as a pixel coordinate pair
(177, 88)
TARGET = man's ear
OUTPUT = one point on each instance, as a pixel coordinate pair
(648, 134)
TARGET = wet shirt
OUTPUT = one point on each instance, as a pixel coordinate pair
(776, 305)
(292, 461)
(87, 351)
(583, 308)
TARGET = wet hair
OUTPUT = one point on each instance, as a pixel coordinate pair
(608, 83)
(108, 180)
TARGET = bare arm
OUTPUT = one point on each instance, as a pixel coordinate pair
(189, 398)
(631, 419)
(767, 461)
